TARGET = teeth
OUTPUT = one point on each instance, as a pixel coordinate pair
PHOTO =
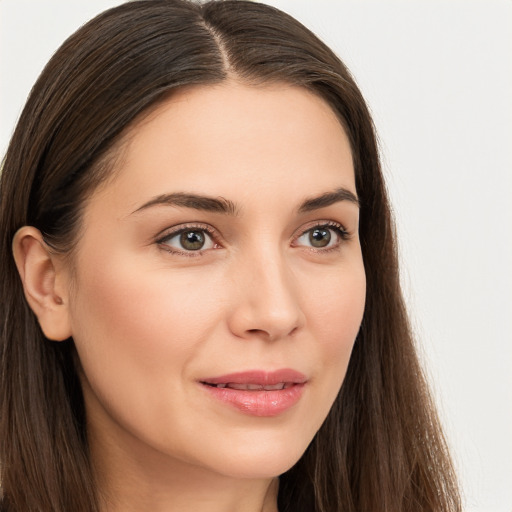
(244, 387)
(255, 387)
(281, 385)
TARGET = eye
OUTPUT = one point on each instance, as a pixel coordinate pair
(324, 236)
(188, 240)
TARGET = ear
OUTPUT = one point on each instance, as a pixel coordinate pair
(42, 274)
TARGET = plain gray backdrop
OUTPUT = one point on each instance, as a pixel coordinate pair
(438, 79)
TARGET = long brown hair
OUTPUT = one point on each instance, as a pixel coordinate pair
(381, 447)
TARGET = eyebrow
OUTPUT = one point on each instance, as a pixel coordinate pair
(225, 206)
(327, 199)
(198, 202)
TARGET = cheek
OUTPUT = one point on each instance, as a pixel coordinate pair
(136, 329)
(139, 309)
(334, 318)
(336, 311)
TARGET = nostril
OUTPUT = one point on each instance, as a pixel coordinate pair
(261, 333)
(269, 335)
(258, 331)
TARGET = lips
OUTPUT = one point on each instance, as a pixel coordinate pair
(256, 392)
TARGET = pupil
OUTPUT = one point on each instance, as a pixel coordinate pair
(192, 240)
(320, 237)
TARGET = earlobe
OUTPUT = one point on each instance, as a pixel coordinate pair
(39, 273)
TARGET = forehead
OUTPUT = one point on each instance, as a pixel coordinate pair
(232, 138)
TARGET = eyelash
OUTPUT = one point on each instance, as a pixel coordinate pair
(184, 229)
(162, 241)
(342, 234)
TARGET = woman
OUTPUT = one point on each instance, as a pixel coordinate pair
(203, 310)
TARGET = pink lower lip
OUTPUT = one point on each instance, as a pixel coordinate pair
(258, 402)
(261, 402)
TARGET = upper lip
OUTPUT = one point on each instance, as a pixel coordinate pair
(259, 377)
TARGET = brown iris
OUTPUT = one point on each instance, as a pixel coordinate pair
(320, 237)
(192, 240)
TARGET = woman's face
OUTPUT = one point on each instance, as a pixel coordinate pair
(218, 285)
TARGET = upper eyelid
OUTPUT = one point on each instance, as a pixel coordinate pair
(180, 228)
(171, 232)
(342, 234)
(320, 223)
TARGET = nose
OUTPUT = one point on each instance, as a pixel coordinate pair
(268, 304)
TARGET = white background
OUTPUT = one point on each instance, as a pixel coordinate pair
(438, 78)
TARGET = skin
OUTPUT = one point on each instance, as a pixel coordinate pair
(151, 319)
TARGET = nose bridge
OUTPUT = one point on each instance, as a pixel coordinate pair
(268, 300)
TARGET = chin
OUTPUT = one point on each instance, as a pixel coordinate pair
(261, 460)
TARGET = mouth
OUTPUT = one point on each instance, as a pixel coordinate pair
(252, 387)
(258, 379)
(258, 393)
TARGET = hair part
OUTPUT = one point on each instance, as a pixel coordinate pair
(381, 447)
